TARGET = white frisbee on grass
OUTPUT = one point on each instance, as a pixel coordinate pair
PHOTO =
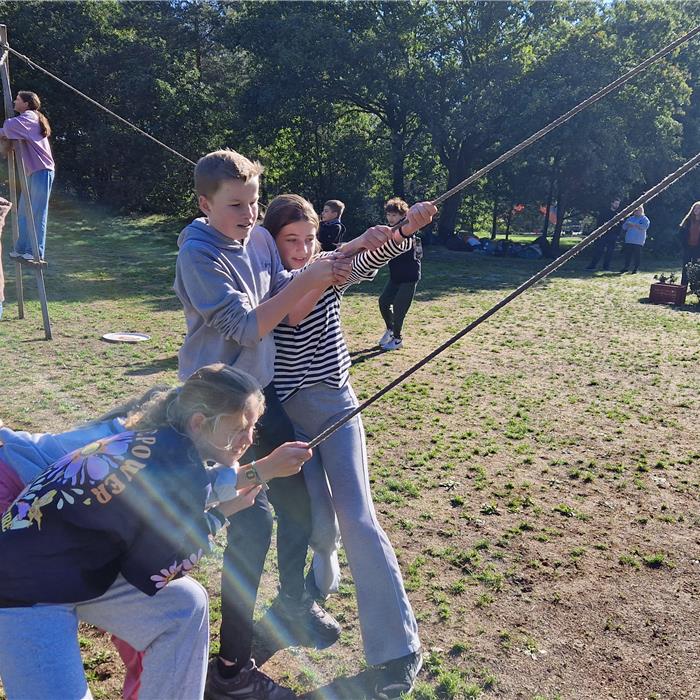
(125, 337)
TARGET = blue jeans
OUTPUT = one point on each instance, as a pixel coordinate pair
(40, 184)
(388, 626)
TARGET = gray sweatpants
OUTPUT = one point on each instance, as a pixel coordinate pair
(40, 657)
(389, 628)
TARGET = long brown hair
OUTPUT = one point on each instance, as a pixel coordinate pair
(32, 99)
(286, 209)
(688, 216)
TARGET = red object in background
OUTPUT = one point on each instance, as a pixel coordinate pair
(660, 293)
(518, 208)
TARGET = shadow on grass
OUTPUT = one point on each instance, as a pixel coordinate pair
(95, 255)
(355, 687)
(360, 356)
(164, 364)
(688, 308)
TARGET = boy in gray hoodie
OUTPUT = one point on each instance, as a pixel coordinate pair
(234, 291)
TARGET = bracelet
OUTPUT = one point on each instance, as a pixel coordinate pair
(252, 474)
(403, 235)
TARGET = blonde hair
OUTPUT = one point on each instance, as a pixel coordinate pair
(286, 209)
(215, 168)
(688, 216)
(32, 99)
(213, 390)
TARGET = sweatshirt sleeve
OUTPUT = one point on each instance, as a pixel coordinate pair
(20, 127)
(212, 292)
(366, 264)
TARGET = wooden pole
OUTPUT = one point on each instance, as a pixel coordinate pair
(9, 112)
(24, 183)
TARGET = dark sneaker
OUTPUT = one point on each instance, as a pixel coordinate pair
(250, 684)
(397, 677)
(290, 622)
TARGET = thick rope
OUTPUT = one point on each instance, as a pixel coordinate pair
(544, 272)
(36, 66)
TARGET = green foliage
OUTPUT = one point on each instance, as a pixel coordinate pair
(694, 279)
(366, 100)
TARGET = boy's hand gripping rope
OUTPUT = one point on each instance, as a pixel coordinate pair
(544, 272)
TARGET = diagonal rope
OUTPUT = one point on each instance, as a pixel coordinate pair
(544, 272)
(36, 66)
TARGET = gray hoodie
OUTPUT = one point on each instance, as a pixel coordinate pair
(220, 282)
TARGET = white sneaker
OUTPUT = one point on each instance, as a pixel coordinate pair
(27, 256)
(393, 344)
(388, 335)
(14, 254)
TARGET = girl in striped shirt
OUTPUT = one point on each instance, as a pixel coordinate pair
(312, 381)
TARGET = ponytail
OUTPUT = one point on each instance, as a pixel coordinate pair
(32, 99)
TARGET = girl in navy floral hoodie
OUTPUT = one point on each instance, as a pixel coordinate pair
(101, 532)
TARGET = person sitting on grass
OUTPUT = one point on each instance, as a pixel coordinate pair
(107, 535)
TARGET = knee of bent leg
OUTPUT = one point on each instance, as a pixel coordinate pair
(188, 597)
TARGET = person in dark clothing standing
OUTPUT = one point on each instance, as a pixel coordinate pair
(604, 247)
(690, 239)
(404, 275)
(331, 230)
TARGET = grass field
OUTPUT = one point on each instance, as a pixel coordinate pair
(540, 480)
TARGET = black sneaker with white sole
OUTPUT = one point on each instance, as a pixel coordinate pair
(249, 684)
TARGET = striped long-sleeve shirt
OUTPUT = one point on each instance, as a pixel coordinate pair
(315, 350)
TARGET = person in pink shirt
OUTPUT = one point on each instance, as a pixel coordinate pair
(31, 130)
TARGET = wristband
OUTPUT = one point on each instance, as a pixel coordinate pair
(403, 235)
(252, 474)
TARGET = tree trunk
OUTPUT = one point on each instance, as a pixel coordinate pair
(494, 217)
(448, 218)
(398, 160)
(509, 219)
(556, 236)
(548, 207)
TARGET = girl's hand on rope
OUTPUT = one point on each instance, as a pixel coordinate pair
(283, 461)
(323, 272)
(242, 500)
(371, 239)
(342, 267)
(418, 216)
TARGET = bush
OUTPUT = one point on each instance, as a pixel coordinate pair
(694, 279)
